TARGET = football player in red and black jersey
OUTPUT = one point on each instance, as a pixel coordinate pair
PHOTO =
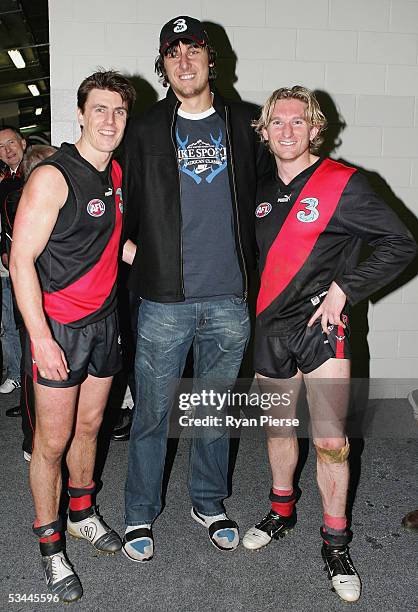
(311, 217)
(64, 265)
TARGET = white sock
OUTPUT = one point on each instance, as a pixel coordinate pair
(212, 519)
(132, 527)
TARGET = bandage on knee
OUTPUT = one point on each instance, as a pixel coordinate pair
(333, 455)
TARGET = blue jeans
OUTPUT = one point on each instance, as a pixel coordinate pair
(11, 341)
(218, 331)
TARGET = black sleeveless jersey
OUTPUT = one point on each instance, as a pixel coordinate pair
(78, 267)
(309, 233)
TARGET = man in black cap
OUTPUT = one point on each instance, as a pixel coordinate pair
(192, 165)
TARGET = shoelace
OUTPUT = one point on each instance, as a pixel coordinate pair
(270, 523)
(54, 567)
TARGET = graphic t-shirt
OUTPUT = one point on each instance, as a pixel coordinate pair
(210, 262)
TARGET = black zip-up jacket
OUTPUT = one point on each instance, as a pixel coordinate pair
(152, 194)
(10, 192)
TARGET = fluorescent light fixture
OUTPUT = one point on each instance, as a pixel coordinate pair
(28, 127)
(16, 58)
(34, 90)
(38, 111)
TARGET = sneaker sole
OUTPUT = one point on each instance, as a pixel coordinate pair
(101, 552)
(136, 560)
(68, 603)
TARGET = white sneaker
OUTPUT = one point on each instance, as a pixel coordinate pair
(272, 526)
(341, 571)
(27, 456)
(60, 578)
(95, 530)
(9, 385)
(223, 533)
(138, 543)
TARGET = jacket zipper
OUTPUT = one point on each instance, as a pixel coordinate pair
(173, 121)
(236, 203)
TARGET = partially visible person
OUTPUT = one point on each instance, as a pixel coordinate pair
(64, 263)
(121, 431)
(128, 315)
(312, 216)
(410, 520)
(12, 150)
(413, 400)
(33, 156)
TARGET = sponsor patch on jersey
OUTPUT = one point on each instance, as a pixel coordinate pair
(311, 205)
(119, 195)
(263, 209)
(96, 208)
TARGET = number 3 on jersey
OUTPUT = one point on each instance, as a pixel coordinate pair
(311, 205)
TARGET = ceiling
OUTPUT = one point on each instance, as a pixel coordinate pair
(24, 26)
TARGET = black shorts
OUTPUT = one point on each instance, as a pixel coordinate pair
(94, 349)
(304, 348)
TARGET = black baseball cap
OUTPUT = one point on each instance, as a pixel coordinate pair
(182, 27)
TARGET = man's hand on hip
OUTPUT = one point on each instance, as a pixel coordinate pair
(331, 308)
(49, 359)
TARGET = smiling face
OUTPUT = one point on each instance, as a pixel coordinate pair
(187, 68)
(288, 133)
(12, 148)
(103, 120)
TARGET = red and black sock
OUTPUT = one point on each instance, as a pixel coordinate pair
(81, 505)
(50, 541)
(334, 531)
(283, 502)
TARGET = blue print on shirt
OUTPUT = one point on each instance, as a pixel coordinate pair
(200, 158)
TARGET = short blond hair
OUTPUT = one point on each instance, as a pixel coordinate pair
(35, 154)
(313, 114)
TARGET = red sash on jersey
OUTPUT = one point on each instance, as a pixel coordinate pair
(297, 237)
(87, 294)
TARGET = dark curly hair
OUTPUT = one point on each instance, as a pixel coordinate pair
(159, 60)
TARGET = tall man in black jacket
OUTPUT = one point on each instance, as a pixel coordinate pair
(191, 164)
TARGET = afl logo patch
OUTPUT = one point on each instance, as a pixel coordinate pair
(96, 208)
(263, 209)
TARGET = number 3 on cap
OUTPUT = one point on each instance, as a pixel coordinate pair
(180, 25)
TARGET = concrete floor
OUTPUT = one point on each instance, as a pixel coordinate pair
(189, 574)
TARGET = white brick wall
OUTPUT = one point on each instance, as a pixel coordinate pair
(363, 53)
